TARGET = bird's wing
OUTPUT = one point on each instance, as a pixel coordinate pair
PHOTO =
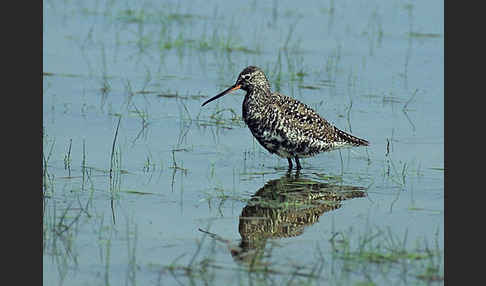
(301, 121)
(308, 125)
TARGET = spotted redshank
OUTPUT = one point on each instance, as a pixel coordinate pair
(284, 125)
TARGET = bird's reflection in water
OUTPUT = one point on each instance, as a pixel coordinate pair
(283, 208)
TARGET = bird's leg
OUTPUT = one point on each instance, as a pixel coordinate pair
(290, 163)
(297, 174)
(298, 163)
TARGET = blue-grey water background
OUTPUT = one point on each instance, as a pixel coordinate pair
(373, 68)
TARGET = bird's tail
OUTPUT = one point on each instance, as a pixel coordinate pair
(348, 138)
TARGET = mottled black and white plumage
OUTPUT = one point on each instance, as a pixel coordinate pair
(283, 125)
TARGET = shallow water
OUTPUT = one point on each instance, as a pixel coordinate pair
(374, 69)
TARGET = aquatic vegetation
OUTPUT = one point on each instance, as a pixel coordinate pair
(140, 185)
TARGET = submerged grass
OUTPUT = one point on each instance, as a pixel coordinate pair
(113, 158)
(423, 35)
(172, 37)
(154, 16)
(226, 118)
(47, 178)
(352, 259)
(206, 269)
(359, 256)
(381, 251)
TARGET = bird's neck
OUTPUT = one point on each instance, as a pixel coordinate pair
(258, 93)
(255, 101)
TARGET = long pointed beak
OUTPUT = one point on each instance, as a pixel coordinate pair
(232, 88)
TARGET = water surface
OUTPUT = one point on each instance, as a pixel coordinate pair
(374, 69)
